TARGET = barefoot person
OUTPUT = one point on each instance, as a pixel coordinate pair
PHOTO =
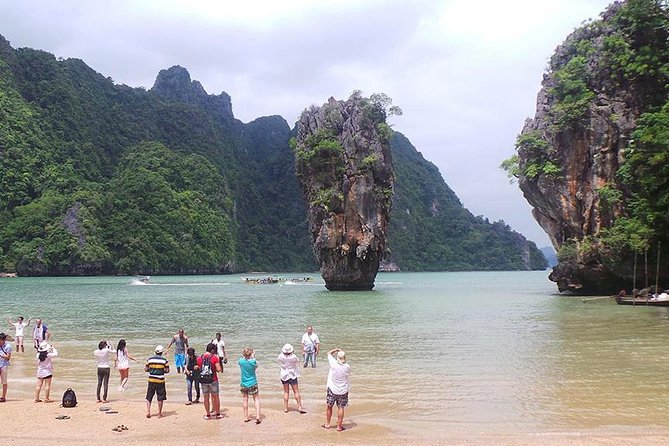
(249, 382)
(104, 369)
(288, 375)
(5, 356)
(45, 353)
(122, 363)
(338, 385)
(19, 327)
(180, 341)
(157, 366)
(40, 333)
(311, 346)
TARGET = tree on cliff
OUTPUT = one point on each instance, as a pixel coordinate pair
(594, 162)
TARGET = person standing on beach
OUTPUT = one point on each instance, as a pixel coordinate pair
(122, 363)
(157, 367)
(311, 346)
(339, 382)
(209, 366)
(40, 333)
(19, 327)
(220, 348)
(5, 356)
(45, 353)
(192, 376)
(104, 369)
(249, 382)
(289, 373)
(180, 342)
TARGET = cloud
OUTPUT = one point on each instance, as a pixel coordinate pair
(465, 73)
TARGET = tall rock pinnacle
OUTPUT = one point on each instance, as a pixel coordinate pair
(345, 169)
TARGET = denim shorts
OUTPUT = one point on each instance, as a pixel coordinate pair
(209, 389)
(292, 381)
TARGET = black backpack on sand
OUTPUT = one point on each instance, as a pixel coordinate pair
(69, 398)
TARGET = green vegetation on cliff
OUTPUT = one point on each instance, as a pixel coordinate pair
(104, 178)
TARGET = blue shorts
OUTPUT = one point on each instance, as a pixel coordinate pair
(179, 360)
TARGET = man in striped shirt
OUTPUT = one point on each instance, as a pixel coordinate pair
(157, 366)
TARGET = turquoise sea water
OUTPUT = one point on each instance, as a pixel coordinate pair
(472, 352)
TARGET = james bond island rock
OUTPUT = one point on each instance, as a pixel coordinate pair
(594, 161)
(344, 165)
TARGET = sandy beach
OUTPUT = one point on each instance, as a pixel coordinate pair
(37, 423)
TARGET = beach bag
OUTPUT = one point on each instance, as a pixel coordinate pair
(206, 372)
(69, 398)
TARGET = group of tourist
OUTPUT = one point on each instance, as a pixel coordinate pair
(201, 372)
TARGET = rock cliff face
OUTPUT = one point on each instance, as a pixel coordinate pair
(570, 154)
(344, 165)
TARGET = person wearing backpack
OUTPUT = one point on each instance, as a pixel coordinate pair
(209, 366)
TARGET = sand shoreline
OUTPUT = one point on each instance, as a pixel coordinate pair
(184, 425)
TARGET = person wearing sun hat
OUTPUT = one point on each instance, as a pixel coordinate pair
(45, 352)
(338, 385)
(157, 366)
(289, 373)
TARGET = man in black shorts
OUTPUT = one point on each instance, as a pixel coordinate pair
(157, 366)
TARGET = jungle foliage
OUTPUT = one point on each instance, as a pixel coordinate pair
(103, 178)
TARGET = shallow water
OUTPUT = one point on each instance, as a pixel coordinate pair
(471, 352)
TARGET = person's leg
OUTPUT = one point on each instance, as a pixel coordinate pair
(97, 391)
(47, 390)
(256, 402)
(125, 373)
(306, 358)
(328, 416)
(148, 409)
(216, 403)
(197, 389)
(286, 396)
(150, 391)
(23, 349)
(245, 406)
(105, 383)
(298, 397)
(340, 417)
(160, 409)
(207, 407)
(3, 380)
(189, 389)
(38, 389)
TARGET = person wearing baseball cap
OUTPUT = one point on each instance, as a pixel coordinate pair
(157, 367)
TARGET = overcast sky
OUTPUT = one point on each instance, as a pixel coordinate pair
(466, 73)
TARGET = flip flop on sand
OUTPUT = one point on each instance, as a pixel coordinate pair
(325, 426)
(247, 420)
(63, 417)
(117, 429)
(301, 410)
(111, 411)
(341, 428)
(258, 421)
(104, 408)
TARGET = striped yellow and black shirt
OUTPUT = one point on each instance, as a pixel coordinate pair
(156, 366)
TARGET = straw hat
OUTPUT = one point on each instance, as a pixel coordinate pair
(341, 357)
(287, 349)
(43, 347)
(159, 349)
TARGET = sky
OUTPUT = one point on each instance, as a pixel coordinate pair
(465, 73)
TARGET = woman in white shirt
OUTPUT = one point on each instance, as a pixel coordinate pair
(19, 327)
(104, 369)
(123, 363)
(289, 373)
(44, 370)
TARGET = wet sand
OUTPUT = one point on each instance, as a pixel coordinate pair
(29, 423)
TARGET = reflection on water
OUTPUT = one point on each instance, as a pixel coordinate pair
(470, 352)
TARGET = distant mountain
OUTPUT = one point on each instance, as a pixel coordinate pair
(98, 178)
(550, 254)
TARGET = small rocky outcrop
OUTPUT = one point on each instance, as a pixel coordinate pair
(175, 84)
(344, 165)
